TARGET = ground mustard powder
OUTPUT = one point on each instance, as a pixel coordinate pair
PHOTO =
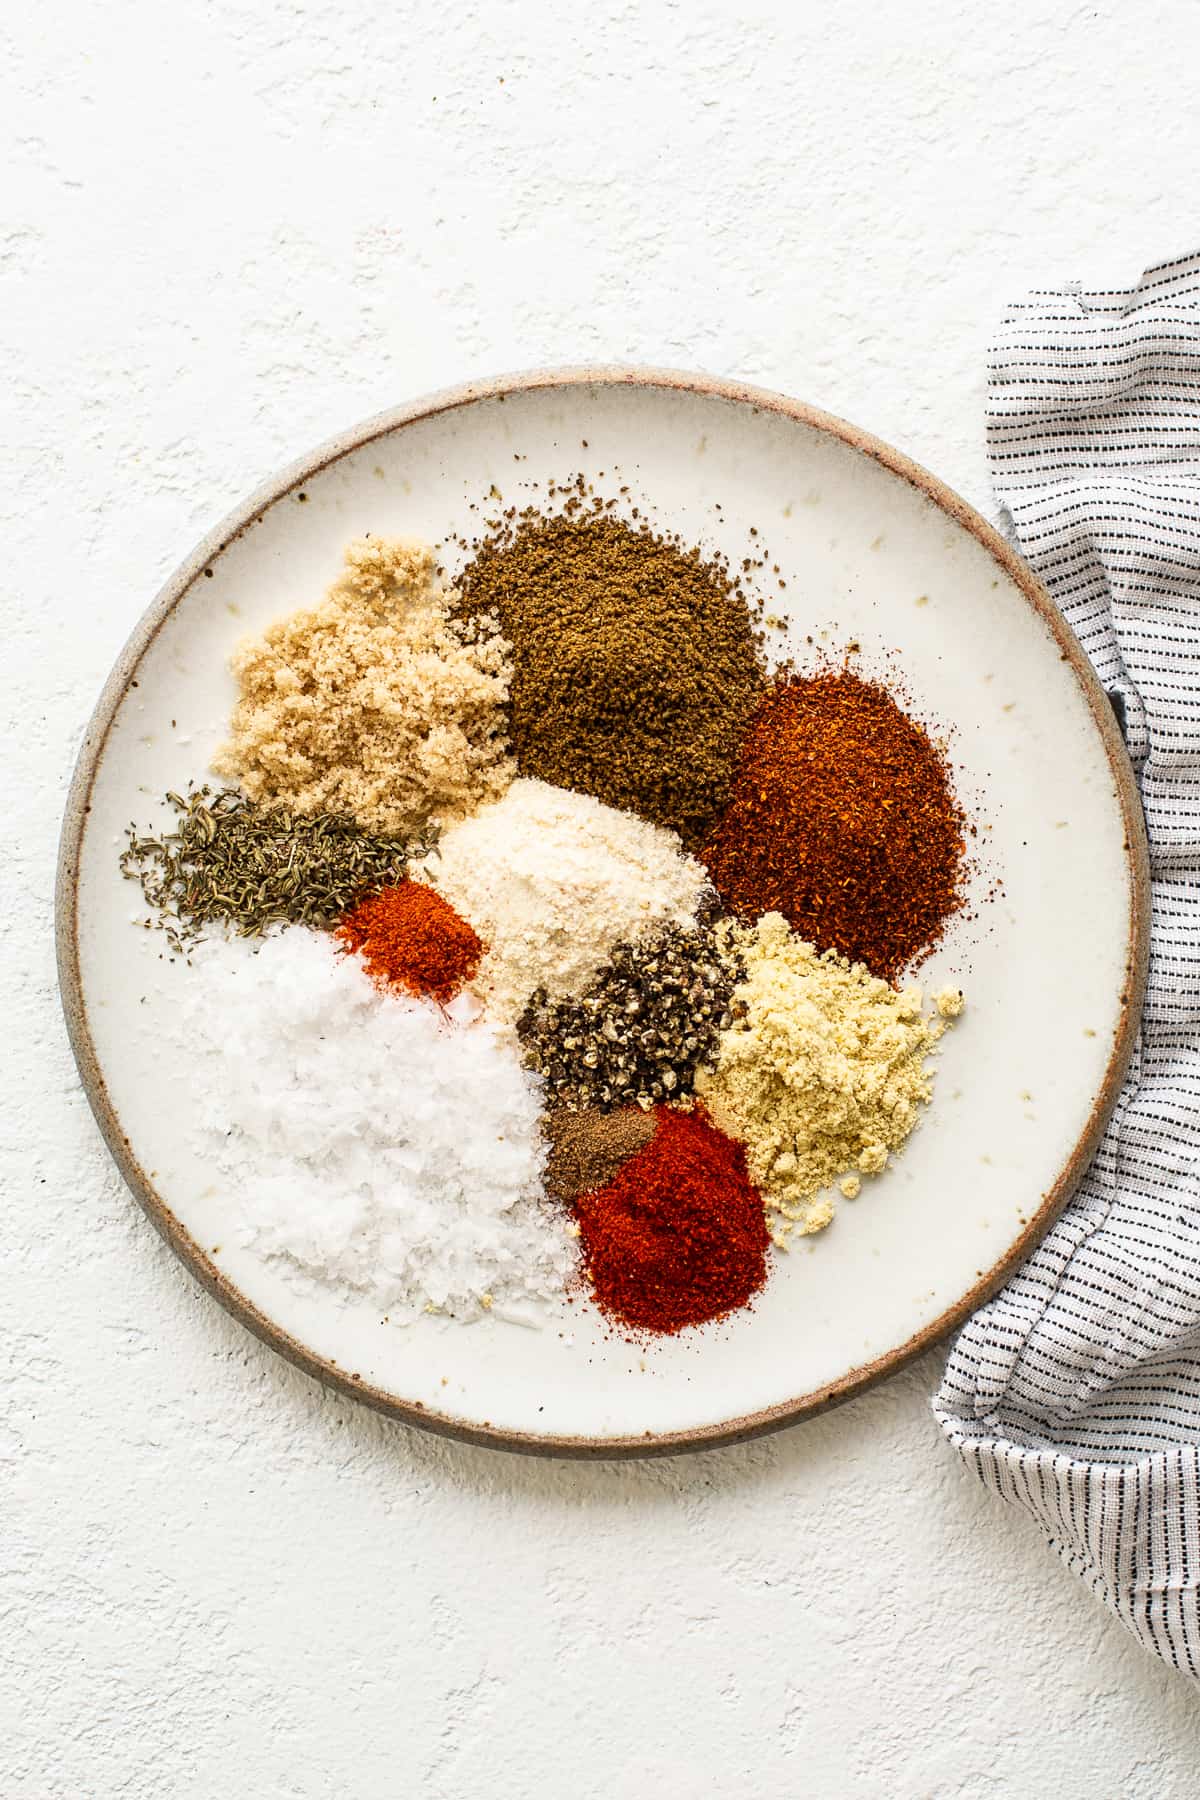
(822, 1075)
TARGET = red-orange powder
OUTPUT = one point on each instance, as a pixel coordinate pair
(842, 818)
(678, 1235)
(410, 938)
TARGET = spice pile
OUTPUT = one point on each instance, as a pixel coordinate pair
(842, 819)
(641, 1030)
(678, 1236)
(410, 938)
(231, 861)
(821, 1076)
(550, 945)
(588, 1148)
(634, 662)
(341, 1110)
(375, 703)
(552, 881)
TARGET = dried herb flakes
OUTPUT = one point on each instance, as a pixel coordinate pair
(235, 861)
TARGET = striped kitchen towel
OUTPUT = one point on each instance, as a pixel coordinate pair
(1076, 1393)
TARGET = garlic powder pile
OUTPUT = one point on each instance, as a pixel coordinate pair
(824, 1074)
(373, 703)
(552, 881)
(373, 1144)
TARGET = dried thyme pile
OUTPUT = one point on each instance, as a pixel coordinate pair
(641, 1030)
(635, 661)
(234, 861)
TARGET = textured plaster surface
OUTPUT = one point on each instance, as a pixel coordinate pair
(228, 230)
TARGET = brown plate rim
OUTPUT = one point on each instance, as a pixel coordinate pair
(79, 804)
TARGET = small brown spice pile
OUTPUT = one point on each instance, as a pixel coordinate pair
(842, 818)
(588, 1148)
(410, 938)
(635, 665)
(641, 1030)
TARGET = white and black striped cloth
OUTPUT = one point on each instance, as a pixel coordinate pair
(1076, 1393)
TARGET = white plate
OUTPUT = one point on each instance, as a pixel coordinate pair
(873, 550)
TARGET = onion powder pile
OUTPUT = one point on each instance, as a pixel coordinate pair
(376, 1145)
(552, 881)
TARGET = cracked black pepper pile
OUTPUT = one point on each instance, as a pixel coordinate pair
(645, 1025)
(636, 666)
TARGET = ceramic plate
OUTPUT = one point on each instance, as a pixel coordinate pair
(874, 551)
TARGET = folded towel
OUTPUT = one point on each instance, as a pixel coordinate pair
(1076, 1393)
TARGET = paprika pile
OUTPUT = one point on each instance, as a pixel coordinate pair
(678, 1237)
(843, 819)
(409, 937)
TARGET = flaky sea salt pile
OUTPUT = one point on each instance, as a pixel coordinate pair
(371, 1142)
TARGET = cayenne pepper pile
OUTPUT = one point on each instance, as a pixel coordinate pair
(842, 818)
(679, 1236)
(409, 937)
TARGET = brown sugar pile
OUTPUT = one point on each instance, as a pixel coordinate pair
(375, 703)
(588, 1148)
(635, 665)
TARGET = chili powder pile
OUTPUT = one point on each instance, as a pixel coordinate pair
(843, 819)
(635, 664)
(678, 1237)
(410, 938)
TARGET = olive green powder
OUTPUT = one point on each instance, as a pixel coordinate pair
(635, 660)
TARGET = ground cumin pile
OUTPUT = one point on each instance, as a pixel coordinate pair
(635, 666)
(822, 1076)
(375, 703)
(588, 1148)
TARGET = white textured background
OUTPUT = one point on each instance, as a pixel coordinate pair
(229, 229)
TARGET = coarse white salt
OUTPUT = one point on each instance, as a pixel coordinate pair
(552, 881)
(374, 1144)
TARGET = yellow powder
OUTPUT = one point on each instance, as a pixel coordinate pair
(822, 1075)
(373, 703)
